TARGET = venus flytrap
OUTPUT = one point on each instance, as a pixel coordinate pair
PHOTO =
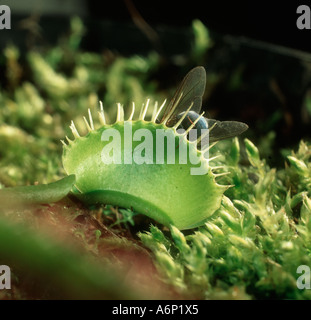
(21, 196)
(252, 242)
(151, 175)
(95, 177)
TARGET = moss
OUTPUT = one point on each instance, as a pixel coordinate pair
(249, 249)
(257, 239)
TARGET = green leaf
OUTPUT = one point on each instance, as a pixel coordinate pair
(45, 193)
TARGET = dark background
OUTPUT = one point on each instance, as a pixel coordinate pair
(271, 21)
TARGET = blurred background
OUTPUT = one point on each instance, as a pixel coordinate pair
(257, 61)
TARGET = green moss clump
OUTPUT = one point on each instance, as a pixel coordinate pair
(253, 245)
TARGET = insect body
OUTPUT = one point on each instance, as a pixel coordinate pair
(189, 94)
(189, 119)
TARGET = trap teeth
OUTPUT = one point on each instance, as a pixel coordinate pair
(160, 109)
(101, 114)
(120, 113)
(154, 113)
(74, 130)
(132, 113)
(89, 129)
(217, 168)
(172, 109)
(69, 140)
(144, 110)
(91, 119)
(90, 124)
(94, 174)
(221, 174)
(183, 117)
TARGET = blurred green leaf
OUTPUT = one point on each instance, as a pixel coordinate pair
(17, 197)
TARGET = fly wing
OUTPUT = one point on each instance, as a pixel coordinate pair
(220, 130)
(191, 90)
